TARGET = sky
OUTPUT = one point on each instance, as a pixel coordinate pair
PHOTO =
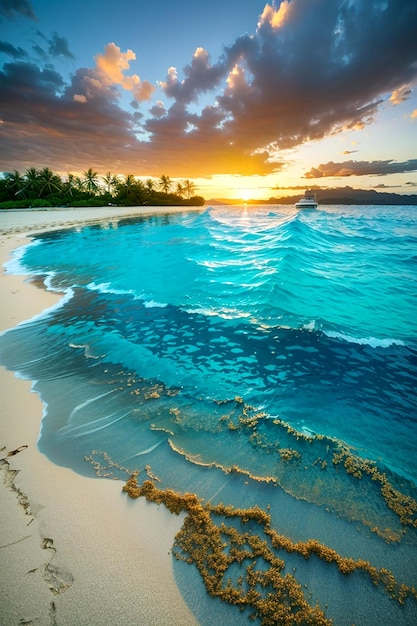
(246, 98)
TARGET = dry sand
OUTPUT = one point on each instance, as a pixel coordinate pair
(74, 551)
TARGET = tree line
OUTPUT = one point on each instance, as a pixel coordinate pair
(46, 188)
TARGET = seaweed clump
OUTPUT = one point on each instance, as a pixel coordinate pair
(401, 504)
(325, 470)
(236, 553)
(272, 597)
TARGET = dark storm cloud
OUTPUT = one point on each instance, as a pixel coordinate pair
(11, 9)
(362, 168)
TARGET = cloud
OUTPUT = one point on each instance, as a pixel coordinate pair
(40, 52)
(401, 94)
(275, 90)
(110, 68)
(275, 17)
(58, 46)
(11, 9)
(79, 98)
(16, 53)
(362, 168)
(268, 91)
(56, 126)
(200, 77)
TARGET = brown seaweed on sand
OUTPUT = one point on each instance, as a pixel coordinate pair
(221, 540)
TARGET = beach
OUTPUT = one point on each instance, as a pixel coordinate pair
(215, 392)
(74, 550)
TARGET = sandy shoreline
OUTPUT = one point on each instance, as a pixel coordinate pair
(74, 550)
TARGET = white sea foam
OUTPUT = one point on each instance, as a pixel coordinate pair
(147, 451)
(224, 313)
(107, 288)
(151, 304)
(374, 342)
(68, 294)
(15, 265)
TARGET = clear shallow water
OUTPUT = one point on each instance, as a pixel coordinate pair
(232, 337)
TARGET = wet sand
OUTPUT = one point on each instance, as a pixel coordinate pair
(74, 550)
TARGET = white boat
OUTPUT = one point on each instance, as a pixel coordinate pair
(308, 202)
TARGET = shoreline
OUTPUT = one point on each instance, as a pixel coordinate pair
(75, 550)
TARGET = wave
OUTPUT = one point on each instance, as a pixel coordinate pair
(106, 288)
(274, 308)
(247, 261)
(374, 342)
(48, 312)
(16, 265)
(257, 356)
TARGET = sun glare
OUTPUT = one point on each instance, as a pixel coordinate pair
(245, 194)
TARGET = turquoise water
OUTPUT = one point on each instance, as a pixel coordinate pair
(255, 338)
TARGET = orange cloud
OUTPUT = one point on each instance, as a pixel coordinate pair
(236, 79)
(231, 115)
(79, 98)
(110, 68)
(275, 17)
(401, 94)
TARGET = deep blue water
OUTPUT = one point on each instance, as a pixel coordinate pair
(171, 324)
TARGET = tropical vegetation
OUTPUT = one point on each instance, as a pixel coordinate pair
(45, 188)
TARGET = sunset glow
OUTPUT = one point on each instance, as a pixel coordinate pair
(243, 94)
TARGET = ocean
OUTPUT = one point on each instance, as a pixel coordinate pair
(254, 356)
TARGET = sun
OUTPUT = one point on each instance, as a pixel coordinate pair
(245, 194)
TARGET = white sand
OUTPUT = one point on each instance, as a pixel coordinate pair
(74, 551)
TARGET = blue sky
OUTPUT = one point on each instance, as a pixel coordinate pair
(244, 97)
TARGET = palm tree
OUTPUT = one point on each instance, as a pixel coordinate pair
(165, 183)
(79, 183)
(129, 184)
(150, 185)
(180, 190)
(126, 187)
(31, 177)
(189, 188)
(91, 181)
(110, 180)
(71, 184)
(49, 182)
(15, 182)
(130, 191)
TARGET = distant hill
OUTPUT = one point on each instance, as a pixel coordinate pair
(338, 195)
